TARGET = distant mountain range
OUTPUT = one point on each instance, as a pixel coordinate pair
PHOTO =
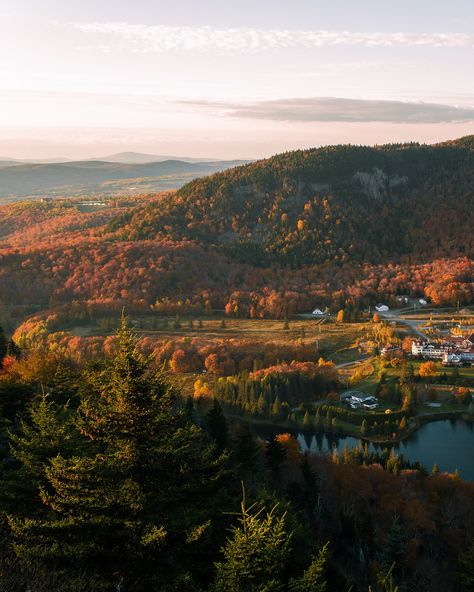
(140, 158)
(5, 161)
(120, 157)
(18, 179)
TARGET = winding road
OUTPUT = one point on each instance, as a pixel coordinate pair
(395, 315)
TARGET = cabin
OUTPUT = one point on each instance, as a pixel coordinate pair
(358, 399)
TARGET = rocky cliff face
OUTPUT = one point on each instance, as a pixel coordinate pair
(377, 184)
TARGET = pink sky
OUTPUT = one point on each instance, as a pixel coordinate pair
(91, 80)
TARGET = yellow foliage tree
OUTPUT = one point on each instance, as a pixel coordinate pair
(428, 369)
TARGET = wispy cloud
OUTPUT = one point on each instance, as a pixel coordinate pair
(326, 109)
(161, 38)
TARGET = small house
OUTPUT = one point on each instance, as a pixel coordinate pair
(402, 300)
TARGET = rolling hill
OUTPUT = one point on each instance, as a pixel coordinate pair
(327, 205)
(32, 179)
(342, 226)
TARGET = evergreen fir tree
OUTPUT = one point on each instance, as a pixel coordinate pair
(245, 450)
(47, 431)
(314, 578)
(217, 426)
(256, 553)
(134, 503)
(395, 550)
(64, 387)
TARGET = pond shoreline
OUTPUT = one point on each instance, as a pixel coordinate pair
(420, 420)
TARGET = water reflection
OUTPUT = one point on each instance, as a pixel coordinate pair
(448, 443)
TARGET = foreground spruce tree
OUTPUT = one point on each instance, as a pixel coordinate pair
(314, 578)
(256, 554)
(217, 426)
(134, 505)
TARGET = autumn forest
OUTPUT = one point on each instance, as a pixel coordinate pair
(160, 361)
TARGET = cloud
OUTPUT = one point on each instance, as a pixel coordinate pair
(162, 38)
(332, 109)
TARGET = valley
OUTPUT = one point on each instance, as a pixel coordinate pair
(319, 301)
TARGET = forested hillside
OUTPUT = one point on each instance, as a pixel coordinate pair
(327, 205)
(341, 226)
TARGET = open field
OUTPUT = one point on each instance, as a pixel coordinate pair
(330, 340)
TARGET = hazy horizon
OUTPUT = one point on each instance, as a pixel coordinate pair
(242, 81)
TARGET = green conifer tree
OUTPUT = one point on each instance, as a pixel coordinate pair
(256, 553)
(314, 578)
(132, 504)
(395, 550)
(217, 426)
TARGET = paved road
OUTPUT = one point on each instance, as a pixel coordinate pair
(353, 362)
(394, 315)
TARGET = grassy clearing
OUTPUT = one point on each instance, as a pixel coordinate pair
(335, 341)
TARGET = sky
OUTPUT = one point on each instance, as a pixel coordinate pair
(219, 79)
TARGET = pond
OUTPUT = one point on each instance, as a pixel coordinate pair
(449, 443)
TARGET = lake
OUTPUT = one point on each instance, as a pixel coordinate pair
(449, 443)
